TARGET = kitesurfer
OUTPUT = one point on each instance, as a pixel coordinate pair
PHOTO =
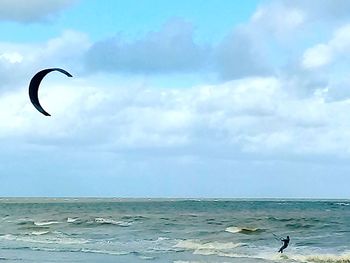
(285, 244)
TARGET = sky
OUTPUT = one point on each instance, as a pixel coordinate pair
(221, 99)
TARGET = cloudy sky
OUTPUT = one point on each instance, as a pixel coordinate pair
(176, 98)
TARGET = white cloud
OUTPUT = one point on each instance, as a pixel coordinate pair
(173, 49)
(33, 10)
(67, 50)
(11, 57)
(272, 38)
(317, 56)
(251, 115)
(323, 54)
(278, 19)
(18, 62)
(248, 116)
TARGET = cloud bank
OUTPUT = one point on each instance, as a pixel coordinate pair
(270, 98)
(254, 106)
(171, 49)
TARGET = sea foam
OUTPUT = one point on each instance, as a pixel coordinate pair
(208, 248)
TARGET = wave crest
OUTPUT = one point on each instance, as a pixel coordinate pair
(107, 221)
(207, 248)
(328, 258)
(45, 223)
(244, 230)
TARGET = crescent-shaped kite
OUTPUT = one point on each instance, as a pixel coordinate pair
(34, 87)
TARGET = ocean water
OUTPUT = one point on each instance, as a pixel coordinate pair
(179, 231)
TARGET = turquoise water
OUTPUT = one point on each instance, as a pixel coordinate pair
(138, 230)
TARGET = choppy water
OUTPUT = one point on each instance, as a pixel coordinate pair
(135, 230)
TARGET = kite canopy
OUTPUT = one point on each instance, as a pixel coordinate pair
(34, 87)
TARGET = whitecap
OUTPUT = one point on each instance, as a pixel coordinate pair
(108, 221)
(307, 258)
(162, 239)
(41, 240)
(95, 251)
(39, 233)
(243, 230)
(196, 245)
(45, 223)
(72, 219)
(343, 204)
(233, 229)
(323, 258)
(147, 257)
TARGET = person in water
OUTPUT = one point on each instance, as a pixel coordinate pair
(285, 244)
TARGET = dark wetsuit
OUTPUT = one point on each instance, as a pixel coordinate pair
(285, 244)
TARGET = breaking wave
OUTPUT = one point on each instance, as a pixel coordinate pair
(244, 230)
(311, 258)
(328, 258)
(208, 248)
(46, 223)
(44, 240)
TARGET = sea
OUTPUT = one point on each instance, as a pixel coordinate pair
(173, 230)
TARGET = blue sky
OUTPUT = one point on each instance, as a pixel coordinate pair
(176, 99)
(132, 18)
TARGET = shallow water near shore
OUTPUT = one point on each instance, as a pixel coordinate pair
(173, 230)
